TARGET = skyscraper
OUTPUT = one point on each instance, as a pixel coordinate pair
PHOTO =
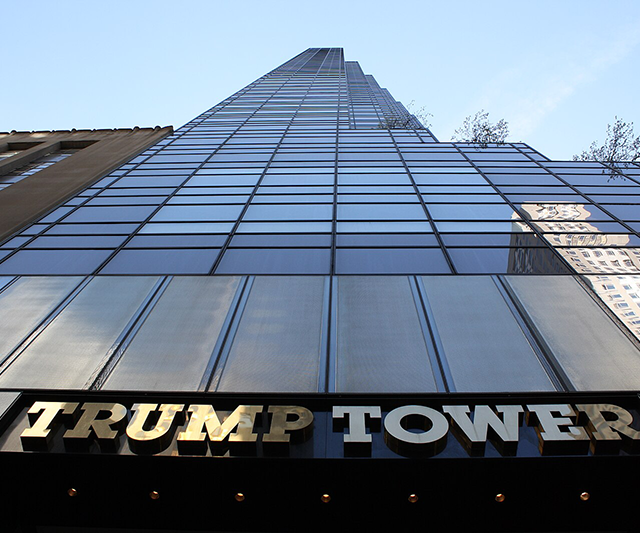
(309, 237)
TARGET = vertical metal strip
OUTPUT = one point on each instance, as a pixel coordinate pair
(323, 364)
(539, 345)
(435, 349)
(213, 373)
(104, 369)
(332, 367)
(224, 331)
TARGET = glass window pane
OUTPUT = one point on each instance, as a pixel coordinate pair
(462, 198)
(177, 241)
(92, 241)
(208, 199)
(277, 347)
(37, 262)
(266, 240)
(381, 347)
(373, 179)
(391, 261)
(176, 341)
(110, 214)
(26, 303)
(588, 347)
(485, 348)
(490, 239)
(196, 213)
(90, 229)
(472, 211)
(373, 239)
(284, 227)
(275, 261)
(506, 260)
(389, 226)
(381, 212)
(187, 227)
(292, 179)
(289, 212)
(448, 179)
(125, 200)
(291, 198)
(152, 182)
(471, 226)
(625, 212)
(182, 261)
(229, 181)
(70, 349)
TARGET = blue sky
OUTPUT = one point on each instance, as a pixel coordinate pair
(558, 71)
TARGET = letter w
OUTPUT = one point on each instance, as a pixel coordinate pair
(473, 434)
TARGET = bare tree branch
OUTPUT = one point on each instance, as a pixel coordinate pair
(418, 119)
(477, 129)
(619, 150)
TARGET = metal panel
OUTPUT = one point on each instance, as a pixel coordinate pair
(25, 303)
(485, 349)
(381, 347)
(590, 349)
(172, 348)
(67, 352)
(277, 346)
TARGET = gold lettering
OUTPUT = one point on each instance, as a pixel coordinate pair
(102, 429)
(39, 435)
(357, 442)
(486, 424)
(431, 441)
(551, 438)
(143, 439)
(193, 440)
(288, 422)
(604, 418)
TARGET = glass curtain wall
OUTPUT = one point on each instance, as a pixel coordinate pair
(346, 249)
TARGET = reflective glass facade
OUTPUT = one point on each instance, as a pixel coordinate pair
(308, 234)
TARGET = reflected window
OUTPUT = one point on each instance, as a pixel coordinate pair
(506, 260)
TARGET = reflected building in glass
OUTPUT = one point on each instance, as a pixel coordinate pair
(589, 250)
